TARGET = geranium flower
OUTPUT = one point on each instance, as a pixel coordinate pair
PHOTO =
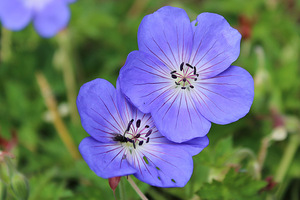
(48, 16)
(125, 141)
(182, 73)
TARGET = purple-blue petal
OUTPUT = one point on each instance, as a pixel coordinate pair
(178, 118)
(144, 79)
(167, 35)
(216, 44)
(164, 165)
(226, 97)
(96, 103)
(106, 160)
(52, 18)
(14, 15)
(147, 83)
(70, 1)
(127, 110)
(196, 145)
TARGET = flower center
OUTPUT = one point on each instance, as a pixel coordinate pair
(185, 77)
(135, 135)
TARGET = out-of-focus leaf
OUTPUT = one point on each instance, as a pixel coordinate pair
(235, 186)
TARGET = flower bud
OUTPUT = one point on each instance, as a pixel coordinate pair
(3, 190)
(279, 133)
(5, 168)
(19, 186)
(114, 182)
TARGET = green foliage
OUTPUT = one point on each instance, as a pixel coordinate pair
(97, 41)
(236, 185)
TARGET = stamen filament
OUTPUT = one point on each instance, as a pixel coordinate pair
(184, 79)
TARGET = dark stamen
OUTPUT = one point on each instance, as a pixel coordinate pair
(147, 126)
(141, 142)
(147, 140)
(133, 144)
(191, 86)
(177, 83)
(187, 64)
(197, 75)
(195, 70)
(129, 124)
(173, 71)
(183, 88)
(138, 123)
(148, 133)
(174, 76)
(195, 79)
(184, 79)
(181, 66)
(137, 135)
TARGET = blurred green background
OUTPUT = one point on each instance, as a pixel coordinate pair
(256, 157)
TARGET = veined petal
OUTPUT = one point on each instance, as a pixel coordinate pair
(193, 147)
(225, 98)
(70, 1)
(96, 103)
(106, 160)
(167, 34)
(163, 165)
(196, 145)
(52, 18)
(216, 45)
(178, 119)
(144, 80)
(14, 15)
(148, 85)
(127, 110)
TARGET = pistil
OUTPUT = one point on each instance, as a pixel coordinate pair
(134, 134)
(185, 76)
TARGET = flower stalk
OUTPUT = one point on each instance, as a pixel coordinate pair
(262, 155)
(286, 160)
(57, 120)
(66, 64)
(5, 45)
(122, 192)
(136, 188)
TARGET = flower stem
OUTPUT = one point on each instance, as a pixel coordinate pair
(136, 188)
(122, 190)
(5, 45)
(58, 122)
(286, 160)
(137, 8)
(262, 155)
(66, 63)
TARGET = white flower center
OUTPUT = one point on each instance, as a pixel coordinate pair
(135, 135)
(185, 77)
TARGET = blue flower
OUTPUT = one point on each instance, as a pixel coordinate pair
(124, 141)
(182, 73)
(48, 16)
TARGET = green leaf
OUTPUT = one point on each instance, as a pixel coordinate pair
(236, 185)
